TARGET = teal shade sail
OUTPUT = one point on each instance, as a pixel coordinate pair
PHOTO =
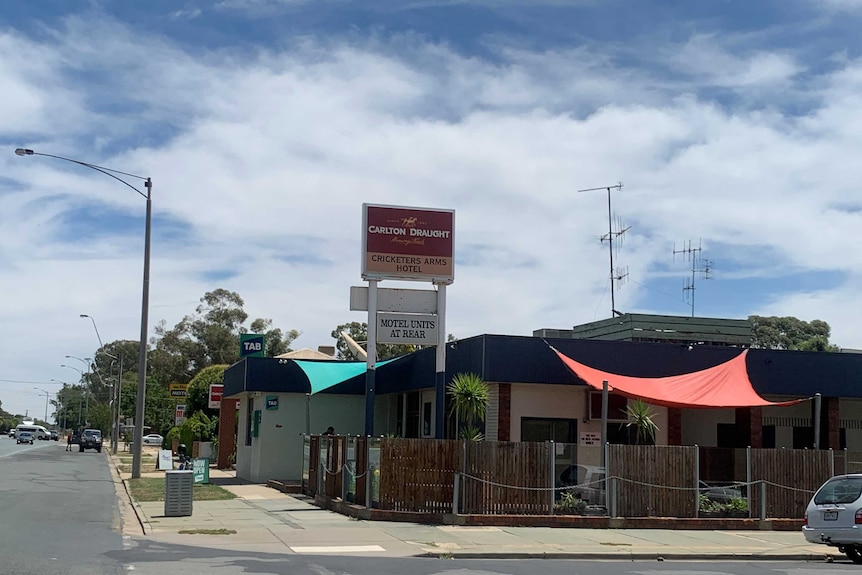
(325, 374)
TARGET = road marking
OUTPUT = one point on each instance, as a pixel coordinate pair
(338, 549)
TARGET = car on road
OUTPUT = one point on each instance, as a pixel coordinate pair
(153, 439)
(11, 433)
(24, 437)
(54, 435)
(90, 439)
(834, 515)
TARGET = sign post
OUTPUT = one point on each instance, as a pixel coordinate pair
(215, 394)
(413, 244)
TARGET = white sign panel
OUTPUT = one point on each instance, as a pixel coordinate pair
(407, 328)
(165, 459)
(590, 438)
(397, 300)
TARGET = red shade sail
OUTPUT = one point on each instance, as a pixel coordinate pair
(725, 385)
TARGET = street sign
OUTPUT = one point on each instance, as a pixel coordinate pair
(407, 328)
(215, 395)
(251, 345)
(398, 300)
(177, 390)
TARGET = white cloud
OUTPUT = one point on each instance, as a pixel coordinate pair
(271, 154)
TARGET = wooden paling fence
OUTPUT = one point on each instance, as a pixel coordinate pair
(505, 478)
(790, 476)
(419, 475)
(653, 481)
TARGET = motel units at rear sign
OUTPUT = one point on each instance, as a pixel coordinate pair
(407, 328)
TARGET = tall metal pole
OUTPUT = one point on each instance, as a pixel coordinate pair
(610, 238)
(46, 402)
(142, 361)
(115, 437)
(371, 358)
(142, 353)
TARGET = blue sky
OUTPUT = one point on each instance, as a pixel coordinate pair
(266, 124)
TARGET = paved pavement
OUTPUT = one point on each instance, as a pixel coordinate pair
(262, 519)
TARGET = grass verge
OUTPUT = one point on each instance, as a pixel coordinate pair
(153, 489)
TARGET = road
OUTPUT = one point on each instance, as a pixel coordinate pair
(59, 514)
(58, 511)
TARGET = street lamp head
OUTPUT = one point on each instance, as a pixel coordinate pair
(84, 315)
(23, 152)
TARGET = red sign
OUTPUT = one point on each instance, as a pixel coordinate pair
(216, 392)
(408, 243)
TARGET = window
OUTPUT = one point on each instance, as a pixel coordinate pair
(558, 430)
(426, 419)
(616, 406)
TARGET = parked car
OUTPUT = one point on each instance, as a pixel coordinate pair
(834, 514)
(11, 433)
(586, 482)
(54, 435)
(153, 439)
(720, 493)
(24, 437)
(90, 439)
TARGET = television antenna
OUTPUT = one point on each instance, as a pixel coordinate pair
(617, 274)
(700, 266)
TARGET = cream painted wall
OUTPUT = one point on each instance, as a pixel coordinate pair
(564, 402)
(276, 453)
(799, 410)
(850, 409)
(699, 425)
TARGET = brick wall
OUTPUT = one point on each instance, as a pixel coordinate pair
(226, 432)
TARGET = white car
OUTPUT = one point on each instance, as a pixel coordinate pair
(24, 437)
(834, 516)
(153, 439)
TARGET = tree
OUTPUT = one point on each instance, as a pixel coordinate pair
(641, 419)
(790, 333)
(359, 333)
(208, 337)
(197, 392)
(470, 395)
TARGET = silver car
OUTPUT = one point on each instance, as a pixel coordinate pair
(834, 516)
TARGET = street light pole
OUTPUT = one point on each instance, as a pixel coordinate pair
(46, 402)
(142, 359)
(85, 391)
(115, 394)
(65, 408)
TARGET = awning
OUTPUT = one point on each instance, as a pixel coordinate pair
(325, 374)
(724, 385)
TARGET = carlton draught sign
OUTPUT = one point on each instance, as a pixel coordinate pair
(408, 243)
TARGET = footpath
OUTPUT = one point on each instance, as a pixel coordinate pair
(262, 519)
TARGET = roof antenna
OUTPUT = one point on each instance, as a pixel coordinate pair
(617, 274)
(698, 266)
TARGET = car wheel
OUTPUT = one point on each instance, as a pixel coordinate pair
(853, 554)
(98, 450)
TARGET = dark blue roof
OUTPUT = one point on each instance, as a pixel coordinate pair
(525, 359)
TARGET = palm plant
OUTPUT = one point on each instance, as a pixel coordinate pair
(470, 395)
(640, 417)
